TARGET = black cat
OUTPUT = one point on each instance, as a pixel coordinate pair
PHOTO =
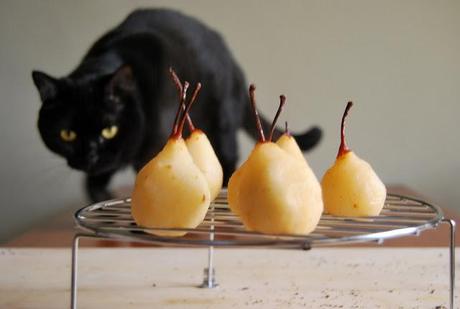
(117, 107)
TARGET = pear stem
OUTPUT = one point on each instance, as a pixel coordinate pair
(343, 149)
(189, 121)
(252, 89)
(176, 80)
(286, 129)
(278, 112)
(187, 116)
(178, 113)
(190, 124)
(178, 84)
(187, 108)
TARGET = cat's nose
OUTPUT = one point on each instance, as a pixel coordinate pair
(92, 158)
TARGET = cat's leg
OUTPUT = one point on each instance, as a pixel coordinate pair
(96, 187)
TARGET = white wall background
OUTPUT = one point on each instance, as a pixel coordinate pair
(399, 61)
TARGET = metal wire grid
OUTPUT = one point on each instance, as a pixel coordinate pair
(400, 216)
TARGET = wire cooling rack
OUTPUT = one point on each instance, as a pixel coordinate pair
(400, 216)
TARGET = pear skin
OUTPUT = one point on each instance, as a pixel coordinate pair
(289, 144)
(200, 148)
(206, 159)
(351, 188)
(276, 193)
(233, 188)
(170, 191)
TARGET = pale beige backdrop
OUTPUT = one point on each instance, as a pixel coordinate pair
(398, 60)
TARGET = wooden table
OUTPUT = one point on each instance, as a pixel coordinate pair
(59, 231)
(256, 278)
(350, 277)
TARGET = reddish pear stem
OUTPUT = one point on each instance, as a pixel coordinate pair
(252, 89)
(187, 116)
(343, 149)
(178, 84)
(278, 112)
(190, 124)
(176, 80)
(187, 109)
(286, 129)
(178, 113)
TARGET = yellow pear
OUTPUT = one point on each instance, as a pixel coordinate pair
(288, 143)
(234, 189)
(276, 193)
(170, 190)
(351, 187)
(201, 149)
(206, 159)
(273, 191)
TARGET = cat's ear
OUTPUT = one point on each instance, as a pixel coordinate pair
(122, 81)
(47, 86)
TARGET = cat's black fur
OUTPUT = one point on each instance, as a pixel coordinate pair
(123, 80)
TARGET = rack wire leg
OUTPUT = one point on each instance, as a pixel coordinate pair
(209, 280)
(451, 261)
(73, 282)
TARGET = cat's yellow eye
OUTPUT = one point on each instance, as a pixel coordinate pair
(68, 135)
(109, 132)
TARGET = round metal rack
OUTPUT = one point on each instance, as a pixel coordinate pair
(401, 216)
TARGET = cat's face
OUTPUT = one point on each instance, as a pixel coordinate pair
(96, 124)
